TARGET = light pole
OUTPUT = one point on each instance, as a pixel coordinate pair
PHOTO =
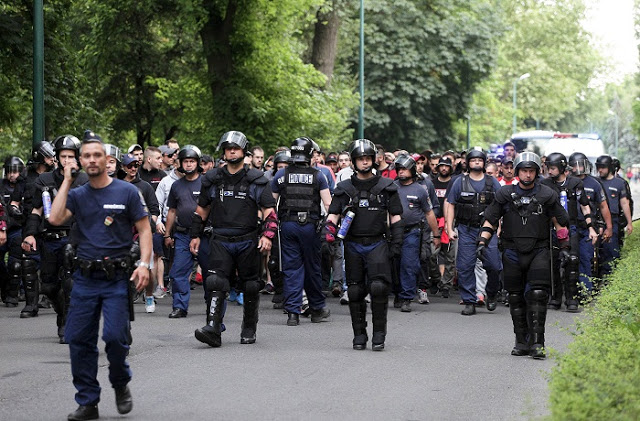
(515, 105)
(38, 73)
(361, 110)
(611, 112)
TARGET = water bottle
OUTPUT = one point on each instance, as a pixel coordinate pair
(346, 224)
(46, 203)
(563, 200)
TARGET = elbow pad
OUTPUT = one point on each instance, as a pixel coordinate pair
(32, 226)
(197, 226)
(397, 232)
(270, 226)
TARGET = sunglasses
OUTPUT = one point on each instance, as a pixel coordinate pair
(133, 165)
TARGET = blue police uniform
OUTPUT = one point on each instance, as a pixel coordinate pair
(595, 193)
(104, 219)
(615, 190)
(299, 212)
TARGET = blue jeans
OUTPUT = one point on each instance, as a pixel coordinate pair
(409, 264)
(182, 266)
(466, 263)
(90, 297)
(610, 251)
(301, 266)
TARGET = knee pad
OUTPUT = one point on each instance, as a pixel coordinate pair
(29, 269)
(252, 288)
(15, 269)
(379, 289)
(356, 292)
(50, 289)
(516, 300)
(537, 296)
(216, 282)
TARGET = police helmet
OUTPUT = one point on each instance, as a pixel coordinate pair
(66, 142)
(233, 138)
(407, 162)
(190, 151)
(113, 150)
(527, 160)
(558, 160)
(605, 161)
(282, 156)
(616, 164)
(475, 153)
(302, 150)
(362, 147)
(44, 150)
(579, 163)
(13, 164)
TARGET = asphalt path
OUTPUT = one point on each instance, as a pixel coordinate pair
(437, 365)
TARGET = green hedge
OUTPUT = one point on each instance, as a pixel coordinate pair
(599, 377)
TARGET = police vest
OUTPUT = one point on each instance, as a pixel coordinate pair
(300, 192)
(52, 181)
(370, 206)
(471, 205)
(232, 205)
(569, 187)
(525, 222)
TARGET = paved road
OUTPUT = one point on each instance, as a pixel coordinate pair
(437, 365)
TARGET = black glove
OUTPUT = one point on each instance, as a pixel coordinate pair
(481, 249)
(397, 237)
(564, 257)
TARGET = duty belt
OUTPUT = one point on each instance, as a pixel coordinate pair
(181, 230)
(301, 218)
(108, 266)
(366, 241)
(235, 239)
(54, 235)
(411, 227)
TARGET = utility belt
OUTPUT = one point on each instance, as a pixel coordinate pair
(235, 239)
(540, 244)
(181, 230)
(409, 228)
(469, 223)
(366, 241)
(108, 266)
(54, 235)
(301, 218)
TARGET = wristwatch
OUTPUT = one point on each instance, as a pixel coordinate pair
(143, 264)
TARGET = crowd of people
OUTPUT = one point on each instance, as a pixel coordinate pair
(300, 225)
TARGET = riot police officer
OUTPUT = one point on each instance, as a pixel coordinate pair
(528, 209)
(114, 160)
(468, 197)
(372, 199)
(54, 238)
(571, 192)
(230, 199)
(11, 219)
(301, 189)
(622, 221)
(618, 205)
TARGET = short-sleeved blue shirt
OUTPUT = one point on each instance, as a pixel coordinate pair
(595, 192)
(615, 190)
(183, 197)
(415, 202)
(105, 218)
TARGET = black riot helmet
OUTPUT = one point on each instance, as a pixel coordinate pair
(476, 153)
(605, 161)
(363, 147)
(113, 150)
(616, 164)
(302, 150)
(13, 164)
(190, 151)
(558, 160)
(282, 157)
(66, 142)
(235, 139)
(527, 160)
(579, 163)
(44, 150)
(407, 162)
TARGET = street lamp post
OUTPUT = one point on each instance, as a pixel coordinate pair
(361, 74)
(515, 104)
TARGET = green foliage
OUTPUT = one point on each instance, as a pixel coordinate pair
(599, 377)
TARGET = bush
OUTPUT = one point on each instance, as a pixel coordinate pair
(599, 377)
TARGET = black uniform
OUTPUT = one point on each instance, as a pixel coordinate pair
(525, 236)
(574, 189)
(12, 219)
(235, 200)
(366, 251)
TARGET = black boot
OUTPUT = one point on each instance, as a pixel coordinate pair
(211, 333)
(536, 318)
(249, 319)
(518, 310)
(124, 400)
(61, 319)
(84, 412)
(293, 319)
(31, 305)
(379, 318)
(358, 312)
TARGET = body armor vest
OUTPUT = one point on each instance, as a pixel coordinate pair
(232, 205)
(471, 205)
(300, 191)
(370, 206)
(572, 198)
(525, 222)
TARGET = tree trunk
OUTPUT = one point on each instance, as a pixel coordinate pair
(216, 44)
(325, 41)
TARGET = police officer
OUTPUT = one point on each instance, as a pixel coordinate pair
(622, 221)
(468, 197)
(54, 237)
(182, 202)
(11, 219)
(618, 205)
(114, 160)
(105, 211)
(301, 190)
(571, 192)
(527, 209)
(374, 200)
(589, 255)
(281, 160)
(416, 208)
(231, 198)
